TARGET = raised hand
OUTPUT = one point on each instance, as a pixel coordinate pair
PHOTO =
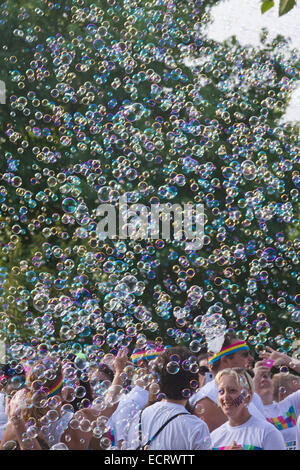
(121, 360)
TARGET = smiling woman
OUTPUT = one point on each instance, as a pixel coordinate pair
(235, 389)
(242, 431)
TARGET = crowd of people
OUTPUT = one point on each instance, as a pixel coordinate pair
(158, 398)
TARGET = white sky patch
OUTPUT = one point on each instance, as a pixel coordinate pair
(243, 19)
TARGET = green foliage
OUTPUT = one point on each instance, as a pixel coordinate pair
(284, 6)
(218, 114)
(266, 5)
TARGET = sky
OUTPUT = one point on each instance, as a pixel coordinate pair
(243, 19)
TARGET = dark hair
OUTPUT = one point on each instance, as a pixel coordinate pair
(8, 373)
(107, 371)
(227, 342)
(201, 356)
(172, 385)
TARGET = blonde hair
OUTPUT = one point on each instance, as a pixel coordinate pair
(283, 380)
(241, 377)
(36, 397)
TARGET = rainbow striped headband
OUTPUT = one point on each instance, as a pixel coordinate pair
(147, 354)
(231, 349)
(56, 387)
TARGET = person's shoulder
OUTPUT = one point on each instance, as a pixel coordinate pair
(293, 398)
(196, 422)
(257, 399)
(150, 411)
(152, 408)
(209, 386)
(136, 393)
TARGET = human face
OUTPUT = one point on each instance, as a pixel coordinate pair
(241, 359)
(290, 388)
(293, 386)
(231, 399)
(264, 383)
(203, 368)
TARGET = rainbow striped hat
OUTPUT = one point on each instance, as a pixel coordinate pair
(56, 388)
(231, 349)
(147, 354)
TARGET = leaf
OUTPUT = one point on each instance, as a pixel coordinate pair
(285, 6)
(266, 5)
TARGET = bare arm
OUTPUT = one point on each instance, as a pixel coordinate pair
(14, 432)
(16, 429)
(262, 383)
(76, 439)
(114, 390)
(280, 359)
(9, 434)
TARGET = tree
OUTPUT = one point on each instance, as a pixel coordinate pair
(131, 98)
(284, 6)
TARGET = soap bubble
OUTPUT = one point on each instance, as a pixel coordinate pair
(59, 446)
(134, 112)
(138, 102)
(172, 367)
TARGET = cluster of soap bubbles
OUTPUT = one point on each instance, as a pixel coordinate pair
(132, 99)
(213, 326)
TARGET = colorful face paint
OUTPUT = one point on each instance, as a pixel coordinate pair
(239, 400)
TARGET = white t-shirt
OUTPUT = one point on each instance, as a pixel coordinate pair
(210, 390)
(3, 417)
(283, 415)
(128, 406)
(53, 431)
(298, 434)
(186, 432)
(255, 434)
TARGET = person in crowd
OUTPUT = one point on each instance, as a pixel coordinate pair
(204, 402)
(3, 417)
(277, 359)
(241, 431)
(167, 424)
(99, 374)
(284, 385)
(29, 404)
(11, 380)
(138, 397)
(282, 414)
(298, 434)
(205, 374)
(42, 417)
